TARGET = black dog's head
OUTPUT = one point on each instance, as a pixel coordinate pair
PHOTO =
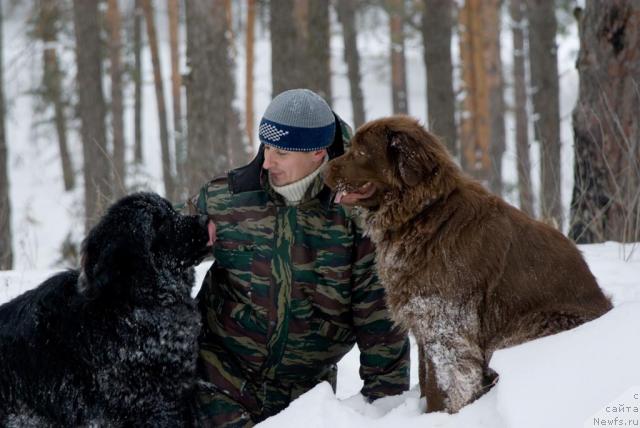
(140, 236)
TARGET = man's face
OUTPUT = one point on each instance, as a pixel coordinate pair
(286, 167)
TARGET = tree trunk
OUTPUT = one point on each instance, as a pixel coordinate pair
(475, 119)
(167, 173)
(97, 178)
(237, 145)
(176, 91)
(209, 93)
(318, 52)
(520, 95)
(287, 64)
(398, 63)
(543, 60)
(6, 247)
(137, 81)
(117, 110)
(52, 77)
(437, 24)
(347, 15)
(606, 195)
(491, 11)
(249, 114)
(228, 19)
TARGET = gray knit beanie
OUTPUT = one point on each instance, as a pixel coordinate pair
(298, 120)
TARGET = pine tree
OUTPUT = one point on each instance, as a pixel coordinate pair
(523, 165)
(437, 28)
(606, 194)
(399, 95)
(250, 43)
(48, 23)
(543, 59)
(176, 95)
(347, 15)
(210, 92)
(167, 170)
(97, 177)
(114, 24)
(6, 247)
(137, 81)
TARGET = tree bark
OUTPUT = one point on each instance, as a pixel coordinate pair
(399, 94)
(249, 113)
(437, 25)
(97, 178)
(137, 82)
(475, 119)
(491, 11)
(209, 93)
(606, 195)
(114, 22)
(167, 173)
(6, 247)
(52, 77)
(543, 60)
(523, 164)
(237, 144)
(346, 11)
(318, 60)
(287, 58)
(176, 91)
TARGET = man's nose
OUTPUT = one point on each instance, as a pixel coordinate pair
(267, 163)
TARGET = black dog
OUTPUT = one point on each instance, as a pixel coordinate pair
(115, 343)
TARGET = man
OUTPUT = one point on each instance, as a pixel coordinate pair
(293, 287)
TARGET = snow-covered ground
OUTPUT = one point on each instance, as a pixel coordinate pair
(585, 377)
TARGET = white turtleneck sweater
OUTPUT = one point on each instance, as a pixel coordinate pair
(293, 192)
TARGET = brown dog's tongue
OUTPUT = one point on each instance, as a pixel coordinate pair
(211, 228)
(338, 197)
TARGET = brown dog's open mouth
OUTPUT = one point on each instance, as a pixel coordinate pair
(351, 197)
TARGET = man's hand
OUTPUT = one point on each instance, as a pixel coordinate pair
(211, 227)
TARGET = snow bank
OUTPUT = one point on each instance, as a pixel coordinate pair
(586, 377)
(579, 378)
(563, 380)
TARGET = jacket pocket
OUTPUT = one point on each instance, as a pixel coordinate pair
(336, 333)
(236, 322)
(234, 271)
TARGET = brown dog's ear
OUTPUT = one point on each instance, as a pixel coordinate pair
(410, 158)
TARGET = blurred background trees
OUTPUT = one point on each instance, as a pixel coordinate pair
(482, 99)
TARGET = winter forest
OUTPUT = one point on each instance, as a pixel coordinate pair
(539, 100)
(127, 95)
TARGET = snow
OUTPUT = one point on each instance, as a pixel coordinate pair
(579, 378)
(566, 380)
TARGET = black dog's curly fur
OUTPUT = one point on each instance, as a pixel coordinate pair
(115, 343)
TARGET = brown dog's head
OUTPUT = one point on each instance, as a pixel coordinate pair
(389, 156)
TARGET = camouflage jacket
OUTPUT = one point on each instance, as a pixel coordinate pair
(293, 288)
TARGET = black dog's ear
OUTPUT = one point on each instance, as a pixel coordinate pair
(410, 157)
(116, 250)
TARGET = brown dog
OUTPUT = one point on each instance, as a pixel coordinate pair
(463, 270)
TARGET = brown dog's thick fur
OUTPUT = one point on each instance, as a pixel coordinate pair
(466, 272)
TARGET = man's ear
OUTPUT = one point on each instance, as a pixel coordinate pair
(319, 155)
(412, 162)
